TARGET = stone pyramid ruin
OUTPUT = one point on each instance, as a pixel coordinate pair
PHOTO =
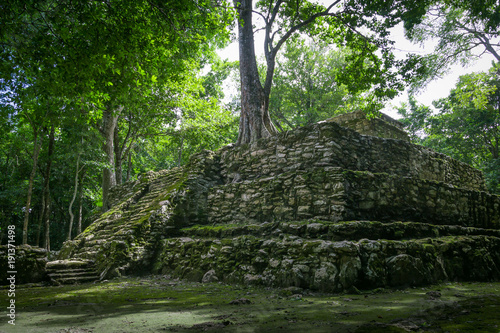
(330, 206)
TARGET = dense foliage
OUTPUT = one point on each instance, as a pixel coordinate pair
(461, 32)
(87, 90)
(307, 86)
(93, 93)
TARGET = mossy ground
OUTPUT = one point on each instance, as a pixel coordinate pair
(159, 304)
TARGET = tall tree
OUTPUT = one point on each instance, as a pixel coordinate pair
(70, 209)
(45, 214)
(98, 54)
(340, 22)
(107, 130)
(27, 208)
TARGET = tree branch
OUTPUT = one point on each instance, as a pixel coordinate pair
(296, 27)
(261, 15)
(271, 51)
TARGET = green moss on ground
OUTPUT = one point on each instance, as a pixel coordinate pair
(156, 303)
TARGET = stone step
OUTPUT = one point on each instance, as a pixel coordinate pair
(95, 242)
(86, 254)
(68, 271)
(74, 270)
(336, 231)
(68, 264)
(71, 272)
(332, 266)
(76, 279)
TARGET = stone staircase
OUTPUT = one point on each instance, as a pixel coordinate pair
(119, 236)
(71, 271)
(143, 212)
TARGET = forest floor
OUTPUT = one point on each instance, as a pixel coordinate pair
(160, 304)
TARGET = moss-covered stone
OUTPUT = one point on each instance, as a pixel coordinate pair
(28, 263)
(335, 266)
(321, 207)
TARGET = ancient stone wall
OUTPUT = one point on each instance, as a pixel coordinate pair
(316, 207)
(330, 145)
(29, 264)
(385, 197)
(331, 266)
(332, 194)
(381, 125)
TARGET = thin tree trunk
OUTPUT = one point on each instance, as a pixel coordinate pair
(110, 121)
(36, 152)
(40, 220)
(79, 220)
(47, 221)
(129, 165)
(3, 224)
(46, 187)
(71, 215)
(118, 157)
(179, 161)
(80, 210)
(255, 122)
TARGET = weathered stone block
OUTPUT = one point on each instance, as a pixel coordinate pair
(348, 195)
(29, 264)
(352, 151)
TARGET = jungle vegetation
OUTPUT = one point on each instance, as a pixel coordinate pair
(94, 93)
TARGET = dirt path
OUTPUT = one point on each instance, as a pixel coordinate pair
(159, 304)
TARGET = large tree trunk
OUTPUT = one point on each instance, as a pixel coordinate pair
(109, 122)
(255, 122)
(36, 151)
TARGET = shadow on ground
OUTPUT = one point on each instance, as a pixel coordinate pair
(160, 304)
